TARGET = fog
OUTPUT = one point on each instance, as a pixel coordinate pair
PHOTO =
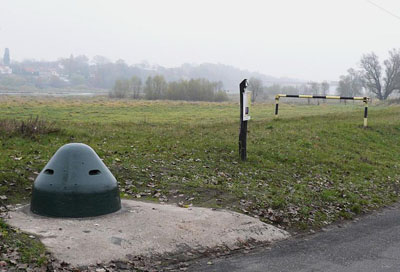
(307, 40)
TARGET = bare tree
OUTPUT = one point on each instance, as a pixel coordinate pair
(219, 86)
(372, 74)
(314, 88)
(135, 86)
(350, 84)
(392, 73)
(324, 88)
(256, 87)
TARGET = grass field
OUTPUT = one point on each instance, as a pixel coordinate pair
(313, 166)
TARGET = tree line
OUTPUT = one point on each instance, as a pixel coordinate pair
(261, 92)
(82, 72)
(378, 79)
(156, 88)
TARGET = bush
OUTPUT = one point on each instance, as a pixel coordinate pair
(195, 90)
(121, 89)
(220, 96)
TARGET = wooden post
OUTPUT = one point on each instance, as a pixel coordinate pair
(365, 112)
(276, 105)
(243, 124)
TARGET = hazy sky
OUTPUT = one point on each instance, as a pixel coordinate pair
(305, 39)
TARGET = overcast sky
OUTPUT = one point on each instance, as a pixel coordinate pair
(304, 39)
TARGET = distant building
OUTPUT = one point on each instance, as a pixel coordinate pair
(5, 70)
(29, 71)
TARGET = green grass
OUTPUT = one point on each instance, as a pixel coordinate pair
(19, 248)
(311, 167)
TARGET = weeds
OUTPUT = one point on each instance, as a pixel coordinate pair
(31, 127)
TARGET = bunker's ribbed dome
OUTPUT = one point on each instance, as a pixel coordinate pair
(75, 183)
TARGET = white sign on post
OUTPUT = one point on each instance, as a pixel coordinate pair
(246, 105)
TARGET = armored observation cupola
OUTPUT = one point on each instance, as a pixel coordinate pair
(75, 183)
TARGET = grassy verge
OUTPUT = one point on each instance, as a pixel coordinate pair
(19, 250)
(313, 166)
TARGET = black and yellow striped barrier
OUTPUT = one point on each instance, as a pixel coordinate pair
(364, 99)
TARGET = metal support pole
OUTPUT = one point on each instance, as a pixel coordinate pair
(365, 112)
(243, 124)
(276, 105)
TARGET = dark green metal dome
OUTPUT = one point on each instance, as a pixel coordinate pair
(75, 183)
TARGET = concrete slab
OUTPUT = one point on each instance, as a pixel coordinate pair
(142, 229)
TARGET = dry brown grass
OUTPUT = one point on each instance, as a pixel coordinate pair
(31, 127)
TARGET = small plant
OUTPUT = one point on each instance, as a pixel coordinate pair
(30, 127)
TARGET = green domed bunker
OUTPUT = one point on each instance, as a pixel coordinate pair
(75, 183)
